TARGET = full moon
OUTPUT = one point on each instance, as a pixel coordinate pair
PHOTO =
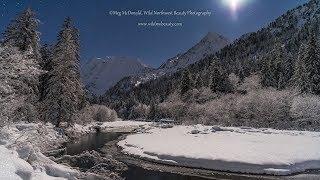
(234, 5)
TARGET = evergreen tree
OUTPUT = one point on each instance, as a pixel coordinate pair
(46, 65)
(307, 71)
(199, 82)
(186, 83)
(65, 95)
(313, 63)
(219, 78)
(152, 111)
(301, 75)
(267, 72)
(282, 67)
(23, 33)
(19, 78)
(46, 57)
(287, 71)
(240, 70)
(277, 68)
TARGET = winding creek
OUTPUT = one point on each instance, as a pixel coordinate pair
(98, 140)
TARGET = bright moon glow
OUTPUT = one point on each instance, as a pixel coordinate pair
(234, 5)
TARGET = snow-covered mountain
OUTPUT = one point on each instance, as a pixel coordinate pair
(99, 74)
(209, 45)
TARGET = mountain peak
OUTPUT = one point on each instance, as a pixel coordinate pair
(212, 36)
(210, 44)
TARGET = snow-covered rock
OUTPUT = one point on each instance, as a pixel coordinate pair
(246, 150)
(100, 74)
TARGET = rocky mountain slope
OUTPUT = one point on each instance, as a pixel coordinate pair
(209, 45)
(101, 74)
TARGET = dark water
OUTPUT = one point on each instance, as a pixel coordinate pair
(91, 142)
(98, 140)
(137, 173)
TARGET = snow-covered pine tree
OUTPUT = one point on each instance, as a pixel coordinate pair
(283, 66)
(287, 71)
(65, 95)
(152, 111)
(219, 78)
(307, 70)
(199, 82)
(313, 62)
(277, 68)
(301, 74)
(46, 65)
(46, 57)
(186, 82)
(23, 33)
(267, 74)
(19, 74)
(240, 70)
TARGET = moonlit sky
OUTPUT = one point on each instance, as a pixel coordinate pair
(104, 35)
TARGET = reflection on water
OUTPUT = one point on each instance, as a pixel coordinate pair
(137, 173)
(91, 142)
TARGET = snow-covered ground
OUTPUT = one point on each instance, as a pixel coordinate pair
(245, 150)
(21, 145)
(115, 126)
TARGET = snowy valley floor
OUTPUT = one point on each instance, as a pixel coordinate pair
(240, 150)
(243, 150)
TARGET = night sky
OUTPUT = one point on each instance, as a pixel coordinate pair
(104, 35)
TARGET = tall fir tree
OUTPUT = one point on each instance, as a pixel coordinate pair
(65, 95)
(19, 78)
(23, 33)
(240, 71)
(46, 65)
(219, 78)
(46, 52)
(283, 68)
(186, 82)
(313, 59)
(301, 75)
(267, 78)
(199, 82)
(307, 71)
(277, 68)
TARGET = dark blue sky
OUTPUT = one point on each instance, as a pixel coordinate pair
(104, 35)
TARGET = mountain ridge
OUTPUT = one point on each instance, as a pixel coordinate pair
(99, 74)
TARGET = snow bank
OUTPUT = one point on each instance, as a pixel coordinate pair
(124, 126)
(21, 156)
(246, 150)
(124, 123)
(14, 168)
(121, 126)
(43, 136)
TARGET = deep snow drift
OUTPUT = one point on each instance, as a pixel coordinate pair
(246, 150)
